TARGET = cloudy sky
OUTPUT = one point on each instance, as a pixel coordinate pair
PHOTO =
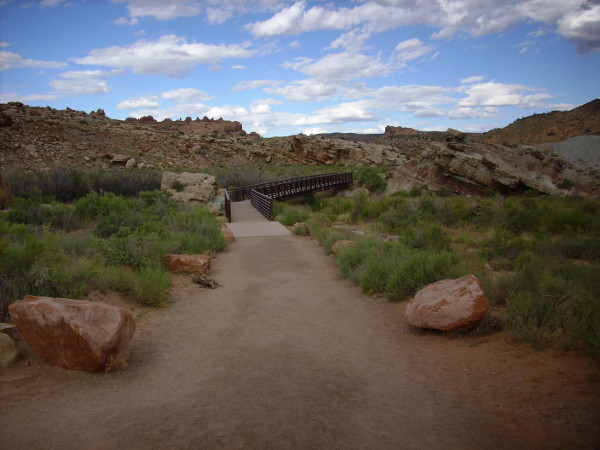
(285, 67)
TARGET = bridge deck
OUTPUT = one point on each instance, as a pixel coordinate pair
(248, 222)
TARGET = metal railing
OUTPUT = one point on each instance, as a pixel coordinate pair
(262, 195)
(262, 202)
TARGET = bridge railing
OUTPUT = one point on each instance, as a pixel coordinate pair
(283, 189)
(262, 202)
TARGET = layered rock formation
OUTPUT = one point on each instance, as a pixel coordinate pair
(43, 138)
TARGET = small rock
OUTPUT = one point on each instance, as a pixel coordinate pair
(301, 229)
(203, 281)
(227, 234)
(338, 245)
(131, 163)
(8, 351)
(196, 264)
(9, 329)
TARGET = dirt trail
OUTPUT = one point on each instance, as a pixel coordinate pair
(287, 355)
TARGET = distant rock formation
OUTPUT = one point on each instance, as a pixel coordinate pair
(401, 131)
(44, 138)
(555, 126)
(199, 126)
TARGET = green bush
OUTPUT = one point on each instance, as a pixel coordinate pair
(33, 264)
(56, 216)
(370, 178)
(128, 183)
(422, 268)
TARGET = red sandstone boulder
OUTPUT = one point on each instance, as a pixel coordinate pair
(448, 304)
(197, 264)
(74, 334)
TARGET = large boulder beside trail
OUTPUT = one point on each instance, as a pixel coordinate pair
(195, 264)
(448, 304)
(189, 187)
(75, 334)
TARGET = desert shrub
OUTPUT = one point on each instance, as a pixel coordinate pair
(320, 228)
(239, 176)
(420, 268)
(425, 235)
(150, 285)
(79, 244)
(5, 198)
(196, 231)
(558, 304)
(33, 264)
(370, 178)
(128, 183)
(291, 214)
(56, 216)
(300, 229)
(64, 184)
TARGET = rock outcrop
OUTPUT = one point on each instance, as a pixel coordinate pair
(194, 264)
(448, 304)
(75, 334)
(45, 138)
(189, 187)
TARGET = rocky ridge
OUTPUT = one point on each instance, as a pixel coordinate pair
(42, 138)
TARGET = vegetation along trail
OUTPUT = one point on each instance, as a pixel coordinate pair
(284, 354)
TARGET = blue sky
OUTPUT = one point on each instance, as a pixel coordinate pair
(286, 67)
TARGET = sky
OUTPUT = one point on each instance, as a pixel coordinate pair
(287, 67)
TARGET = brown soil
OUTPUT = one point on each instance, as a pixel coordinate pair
(286, 355)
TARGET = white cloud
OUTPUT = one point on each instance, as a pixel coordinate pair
(577, 20)
(260, 107)
(46, 3)
(82, 82)
(6, 97)
(346, 66)
(344, 112)
(314, 130)
(353, 41)
(412, 49)
(473, 79)
(255, 84)
(187, 95)
(150, 101)
(312, 90)
(473, 113)
(238, 67)
(161, 9)
(306, 90)
(582, 27)
(125, 21)
(218, 16)
(4, 44)
(10, 60)
(171, 55)
(294, 44)
(499, 94)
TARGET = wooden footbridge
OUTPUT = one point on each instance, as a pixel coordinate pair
(262, 195)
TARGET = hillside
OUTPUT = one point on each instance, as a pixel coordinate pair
(35, 138)
(555, 126)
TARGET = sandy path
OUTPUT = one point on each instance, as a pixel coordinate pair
(283, 355)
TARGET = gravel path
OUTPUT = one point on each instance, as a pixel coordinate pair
(283, 355)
